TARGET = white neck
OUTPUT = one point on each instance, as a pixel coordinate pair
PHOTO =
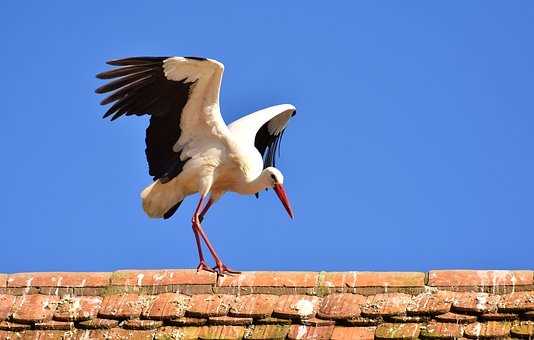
(256, 185)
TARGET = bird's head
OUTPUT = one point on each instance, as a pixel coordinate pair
(274, 179)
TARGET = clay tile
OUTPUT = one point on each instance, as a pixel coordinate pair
(430, 304)
(385, 304)
(476, 303)
(528, 315)
(524, 329)
(184, 322)
(362, 321)
(13, 326)
(47, 335)
(373, 279)
(182, 333)
(353, 333)
(456, 318)
(397, 331)
(124, 306)
(121, 333)
(479, 278)
(270, 279)
(205, 305)
(229, 321)
(162, 277)
(34, 308)
(272, 321)
(221, 332)
(3, 280)
(254, 305)
(167, 306)
(296, 306)
(517, 302)
(98, 324)
(54, 325)
(137, 324)
(498, 317)
(341, 306)
(310, 332)
(6, 305)
(269, 332)
(440, 330)
(74, 308)
(491, 329)
(317, 322)
(58, 279)
(407, 318)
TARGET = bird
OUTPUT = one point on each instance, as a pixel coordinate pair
(189, 147)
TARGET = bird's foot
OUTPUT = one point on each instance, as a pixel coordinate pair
(204, 266)
(222, 269)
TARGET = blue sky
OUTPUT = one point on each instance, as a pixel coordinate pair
(411, 150)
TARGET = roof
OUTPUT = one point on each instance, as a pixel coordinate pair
(184, 304)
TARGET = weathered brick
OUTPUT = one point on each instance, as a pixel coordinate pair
(310, 332)
(440, 330)
(205, 305)
(6, 305)
(34, 308)
(162, 277)
(270, 279)
(373, 279)
(124, 306)
(477, 278)
(254, 305)
(353, 333)
(296, 306)
(491, 329)
(385, 304)
(167, 306)
(397, 331)
(58, 279)
(341, 306)
(77, 308)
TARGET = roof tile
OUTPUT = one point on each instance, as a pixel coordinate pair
(341, 306)
(167, 306)
(182, 333)
(269, 332)
(270, 279)
(487, 278)
(491, 329)
(98, 324)
(440, 330)
(229, 321)
(120, 333)
(407, 318)
(6, 304)
(317, 322)
(475, 303)
(385, 304)
(397, 331)
(456, 318)
(13, 326)
(3, 280)
(517, 302)
(272, 321)
(221, 332)
(124, 306)
(205, 305)
(162, 277)
(54, 325)
(430, 304)
(296, 306)
(353, 333)
(528, 315)
(184, 322)
(310, 332)
(523, 330)
(58, 279)
(77, 308)
(34, 308)
(363, 321)
(499, 317)
(46, 335)
(137, 324)
(254, 305)
(373, 279)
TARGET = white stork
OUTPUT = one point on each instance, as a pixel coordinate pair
(189, 148)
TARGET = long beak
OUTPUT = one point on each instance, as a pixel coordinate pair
(281, 193)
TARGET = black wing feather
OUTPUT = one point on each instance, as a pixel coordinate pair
(268, 145)
(139, 87)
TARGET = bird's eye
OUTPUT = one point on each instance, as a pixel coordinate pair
(273, 177)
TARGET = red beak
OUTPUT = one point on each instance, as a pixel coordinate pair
(281, 193)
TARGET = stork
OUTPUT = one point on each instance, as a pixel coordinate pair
(189, 148)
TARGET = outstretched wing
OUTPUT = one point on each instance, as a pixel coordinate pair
(265, 129)
(169, 89)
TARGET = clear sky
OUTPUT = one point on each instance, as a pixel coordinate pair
(412, 148)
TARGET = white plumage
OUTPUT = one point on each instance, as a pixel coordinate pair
(190, 149)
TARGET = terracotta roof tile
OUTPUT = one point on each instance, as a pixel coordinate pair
(34, 308)
(310, 332)
(397, 331)
(181, 304)
(353, 333)
(478, 278)
(440, 330)
(491, 329)
(254, 305)
(296, 306)
(124, 306)
(269, 332)
(6, 304)
(3, 280)
(77, 308)
(167, 306)
(385, 304)
(205, 305)
(341, 306)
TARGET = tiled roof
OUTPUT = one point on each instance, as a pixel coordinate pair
(184, 304)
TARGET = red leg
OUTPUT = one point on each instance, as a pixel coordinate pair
(203, 265)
